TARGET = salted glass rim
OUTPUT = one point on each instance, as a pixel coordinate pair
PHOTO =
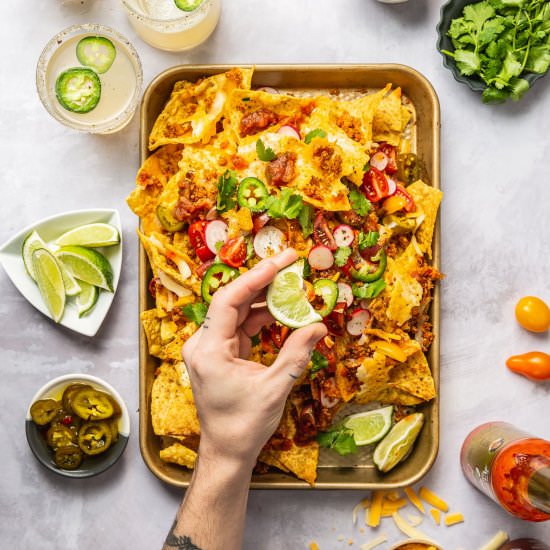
(185, 14)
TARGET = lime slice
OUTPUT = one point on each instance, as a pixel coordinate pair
(398, 443)
(32, 242)
(50, 282)
(87, 298)
(287, 300)
(91, 235)
(370, 427)
(72, 288)
(87, 265)
(188, 5)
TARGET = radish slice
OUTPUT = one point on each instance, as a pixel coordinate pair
(392, 187)
(216, 231)
(358, 322)
(343, 235)
(379, 160)
(289, 131)
(212, 214)
(268, 90)
(345, 294)
(269, 241)
(320, 257)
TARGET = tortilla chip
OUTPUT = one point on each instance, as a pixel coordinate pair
(193, 111)
(173, 409)
(151, 326)
(414, 377)
(427, 200)
(388, 120)
(345, 382)
(373, 373)
(179, 454)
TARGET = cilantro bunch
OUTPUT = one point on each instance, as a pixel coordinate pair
(500, 41)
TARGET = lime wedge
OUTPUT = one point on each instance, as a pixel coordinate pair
(398, 443)
(50, 282)
(287, 300)
(188, 5)
(90, 235)
(72, 288)
(87, 265)
(370, 427)
(86, 300)
(32, 242)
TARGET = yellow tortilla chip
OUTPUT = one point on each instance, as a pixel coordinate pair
(414, 377)
(345, 383)
(192, 112)
(388, 122)
(179, 454)
(151, 326)
(427, 200)
(173, 409)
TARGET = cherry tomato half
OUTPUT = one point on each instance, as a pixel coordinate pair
(279, 333)
(375, 185)
(198, 240)
(534, 365)
(410, 206)
(391, 153)
(233, 252)
(533, 314)
(322, 234)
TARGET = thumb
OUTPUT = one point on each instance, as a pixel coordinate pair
(296, 353)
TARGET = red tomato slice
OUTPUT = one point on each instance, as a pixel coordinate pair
(233, 252)
(279, 334)
(375, 185)
(322, 234)
(327, 352)
(391, 153)
(409, 201)
(198, 241)
(259, 221)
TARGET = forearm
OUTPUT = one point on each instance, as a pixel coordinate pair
(212, 514)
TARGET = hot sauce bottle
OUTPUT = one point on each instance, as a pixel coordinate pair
(510, 466)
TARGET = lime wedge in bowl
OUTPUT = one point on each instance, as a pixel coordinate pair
(86, 299)
(396, 446)
(50, 282)
(90, 235)
(287, 300)
(72, 288)
(87, 265)
(371, 426)
(32, 242)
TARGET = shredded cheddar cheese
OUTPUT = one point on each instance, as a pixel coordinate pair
(436, 515)
(375, 510)
(413, 497)
(380, 539)
(414, 520)
(433, 499)
(408, 529)
(496, 542)
(453, 519)
(313, 546)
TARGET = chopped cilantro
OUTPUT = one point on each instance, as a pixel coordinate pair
(305, 217)
(339, 438)
(371, 290)
(318, 132)
(227, 185)
(246, 99)
(265, 154)
(286, 205)
(319, 362)
(195, 312)
(367, 240)
(342, 255)
(255, 340)
(366, 167)
(359, 202)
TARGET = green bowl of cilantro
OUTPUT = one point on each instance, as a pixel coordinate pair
(497, 47)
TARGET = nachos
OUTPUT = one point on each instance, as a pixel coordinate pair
(239, 174)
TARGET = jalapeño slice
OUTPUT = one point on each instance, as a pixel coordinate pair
(188, 5)
(216, 276)
(78, 90)
(68, 458)
(94, 437)
(252, 194)
(327, 290)
(44, 411)
(167, 219)
(96, 52)
(367, 273)
(91, 404)
(61, 436)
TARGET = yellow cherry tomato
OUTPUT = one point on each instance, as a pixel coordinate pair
(533, 314)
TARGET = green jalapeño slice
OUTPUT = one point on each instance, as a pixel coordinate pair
(78, 90)
(217, 275)
(252, 194)
(96, 52)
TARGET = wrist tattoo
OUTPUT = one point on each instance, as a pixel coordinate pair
(179, 542)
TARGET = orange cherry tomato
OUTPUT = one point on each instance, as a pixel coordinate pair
(533, 314)
(534, 365)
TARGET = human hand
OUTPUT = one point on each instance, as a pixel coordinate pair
(240, 402)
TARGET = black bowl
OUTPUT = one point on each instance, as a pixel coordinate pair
(449, 11)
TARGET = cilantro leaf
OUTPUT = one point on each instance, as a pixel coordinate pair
(359, 202)
(319, 362)
(518, 86)
(492, 95)
(467, 62)
(265, 154)
(227, 185)
(341, 256)
(318, 132)
(286, 205)
(339, 438)
(195, 312)
(538, 59)
(305, 217)
(368, 291)
(478, 13)
(367, 240)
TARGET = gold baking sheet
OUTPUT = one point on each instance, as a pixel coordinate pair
(333, 472)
